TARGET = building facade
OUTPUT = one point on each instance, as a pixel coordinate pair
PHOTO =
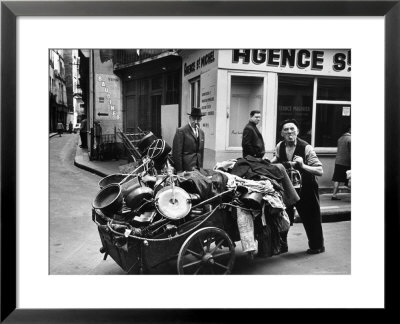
(312, 86)
(151, 84)
(58, 108)
(131, 90)
(74, 92)
(154, 89)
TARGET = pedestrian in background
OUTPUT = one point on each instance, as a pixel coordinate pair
(60, 128)
(342, 162)
(293, 152)
(188, 144)
(252, 140)
(70, 127)
(83, 132)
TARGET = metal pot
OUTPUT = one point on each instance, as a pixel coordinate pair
(252, 200)
(137, 197)
(145, 142)
(109, 199)
(127, 187)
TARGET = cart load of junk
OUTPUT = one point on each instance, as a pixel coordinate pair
(150, 216)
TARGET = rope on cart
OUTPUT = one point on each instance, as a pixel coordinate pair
(236, 206)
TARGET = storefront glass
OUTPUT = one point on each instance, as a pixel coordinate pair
(295, 98)
(331, 122)
(246, 95)
(333, 89)
(332, 107)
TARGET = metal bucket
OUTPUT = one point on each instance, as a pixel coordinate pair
(252, 200)
(145, 142)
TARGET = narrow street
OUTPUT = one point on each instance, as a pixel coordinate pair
(74, 240)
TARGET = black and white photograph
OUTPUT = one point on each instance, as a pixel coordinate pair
(186, 162)
(200, 161)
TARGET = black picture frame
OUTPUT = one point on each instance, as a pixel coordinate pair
(10, 10)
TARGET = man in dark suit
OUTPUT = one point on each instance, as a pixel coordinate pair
(252, 140)
(188, 145)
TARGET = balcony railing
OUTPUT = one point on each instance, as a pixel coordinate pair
(129, 56)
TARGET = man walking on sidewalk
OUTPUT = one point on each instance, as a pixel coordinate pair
(60, 128)
(293, 152)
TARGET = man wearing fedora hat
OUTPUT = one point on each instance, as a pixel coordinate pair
(188, 145)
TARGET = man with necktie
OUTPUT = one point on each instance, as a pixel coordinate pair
(188, 144)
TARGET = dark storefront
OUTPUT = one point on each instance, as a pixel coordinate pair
(332, 103)
(150, 80)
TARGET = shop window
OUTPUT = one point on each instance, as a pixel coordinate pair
(295, 100)
(332, 121)
(172, 89)
(333, 89)
(333, 107)
(246, 95)
(195, 93)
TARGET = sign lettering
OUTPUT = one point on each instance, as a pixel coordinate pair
(199, 63)
(291, 58)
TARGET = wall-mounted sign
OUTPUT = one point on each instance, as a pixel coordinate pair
(302, 58)
(191, 66)
(346, 111)
(305, 61)
(108, 92)
(208, 100)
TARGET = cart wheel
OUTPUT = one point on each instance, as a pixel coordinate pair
(208, 250)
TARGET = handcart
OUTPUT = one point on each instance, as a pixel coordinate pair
(202, 244)
(146, 220)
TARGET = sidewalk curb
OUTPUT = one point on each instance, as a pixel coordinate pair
(87, 168)
(331, 217)
(338, 216)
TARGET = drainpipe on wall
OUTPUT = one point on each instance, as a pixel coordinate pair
(90, 111)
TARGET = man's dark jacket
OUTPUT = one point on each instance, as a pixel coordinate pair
(188, 151)
(252, 141)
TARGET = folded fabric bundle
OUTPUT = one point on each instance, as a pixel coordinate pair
(246, 230)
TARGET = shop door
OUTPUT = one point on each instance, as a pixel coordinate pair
(156, 114)
(131, 112)
(246, 95)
